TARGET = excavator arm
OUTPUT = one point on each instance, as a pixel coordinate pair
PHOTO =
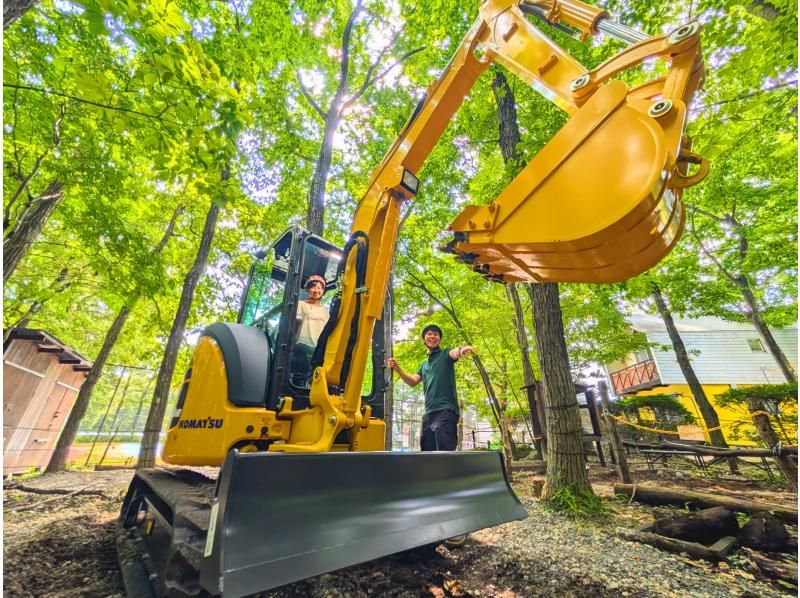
(599, 203)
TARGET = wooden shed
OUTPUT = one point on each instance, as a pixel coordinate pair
(41, 379)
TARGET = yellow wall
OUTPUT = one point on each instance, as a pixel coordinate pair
(735, 421)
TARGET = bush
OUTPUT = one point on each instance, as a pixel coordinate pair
(773, 394)
(523, 450)
(661, 405)
(579, 504)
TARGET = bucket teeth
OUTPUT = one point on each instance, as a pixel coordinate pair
(466, 258)
(495, 278)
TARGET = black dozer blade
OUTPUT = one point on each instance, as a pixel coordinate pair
(283, 517)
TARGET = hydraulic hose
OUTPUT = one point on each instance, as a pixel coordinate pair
(360, 243)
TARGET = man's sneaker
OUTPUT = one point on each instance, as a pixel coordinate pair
(456, 541)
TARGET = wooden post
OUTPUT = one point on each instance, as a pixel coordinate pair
(604, 432)
(589, 394)
(761, 420)
(614, 440)
(538, 393)
(535, 421)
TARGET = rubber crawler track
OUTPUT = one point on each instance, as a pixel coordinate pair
(161, 563)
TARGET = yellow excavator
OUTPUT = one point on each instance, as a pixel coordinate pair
(305, 484)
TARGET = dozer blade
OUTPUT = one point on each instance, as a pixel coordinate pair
(283, 517)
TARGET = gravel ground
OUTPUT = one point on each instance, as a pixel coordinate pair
(65, 548)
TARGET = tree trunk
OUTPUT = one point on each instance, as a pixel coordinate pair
(509, 446)
(14, 9)
(496, 409)
(139, 407)
(785, 463)
(693, 549)
(527, 369)
(764, 10)
(652, 495)
(707, 411)
(538, 404)
(509, 139)
(784, 450)
(775, 569)
(565, 464)
(105, 415)
(705, 526)
(315, 216)
(155, 418)
(758, 322)
(59, 459)
(507, 117)
(29, 225)
(612, 434)
(115, 424)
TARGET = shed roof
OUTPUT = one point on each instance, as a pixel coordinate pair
(47, 343)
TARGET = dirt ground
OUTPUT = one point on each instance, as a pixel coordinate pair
(62, 545)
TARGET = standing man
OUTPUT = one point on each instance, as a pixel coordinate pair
(437, 374)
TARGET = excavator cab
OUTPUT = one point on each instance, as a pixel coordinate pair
(275, 289)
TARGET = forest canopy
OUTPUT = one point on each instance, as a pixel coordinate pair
(124, 122)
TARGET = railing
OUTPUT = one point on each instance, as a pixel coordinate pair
(635, 377)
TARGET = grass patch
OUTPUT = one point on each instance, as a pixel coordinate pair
(29, 473)
(578, 504)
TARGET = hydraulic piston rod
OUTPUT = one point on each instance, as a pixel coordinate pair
(621, 32)
(602, 23)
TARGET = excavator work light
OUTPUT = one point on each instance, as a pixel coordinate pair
(410, 182)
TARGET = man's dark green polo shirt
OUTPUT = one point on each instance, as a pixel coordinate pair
(439, 381)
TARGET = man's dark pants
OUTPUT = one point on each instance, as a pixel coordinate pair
(439, 431)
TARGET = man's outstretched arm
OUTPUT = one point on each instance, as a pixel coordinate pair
(459, 352)
(411, 379)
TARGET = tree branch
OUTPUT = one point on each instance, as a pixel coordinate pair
(170, 228)
(307, 94)
(84, 101)
(708, 253)
(437, 281)
(344, 66)
(755, 93)
(24, 184)
(17, 159)
(369, 82)
(704, 213)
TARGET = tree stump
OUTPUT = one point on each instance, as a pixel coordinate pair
(764, 532)
(704, 527)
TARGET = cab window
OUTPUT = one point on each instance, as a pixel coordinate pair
(265, 290)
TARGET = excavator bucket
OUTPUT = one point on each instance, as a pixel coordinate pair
(282, 517)
(580, 212)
